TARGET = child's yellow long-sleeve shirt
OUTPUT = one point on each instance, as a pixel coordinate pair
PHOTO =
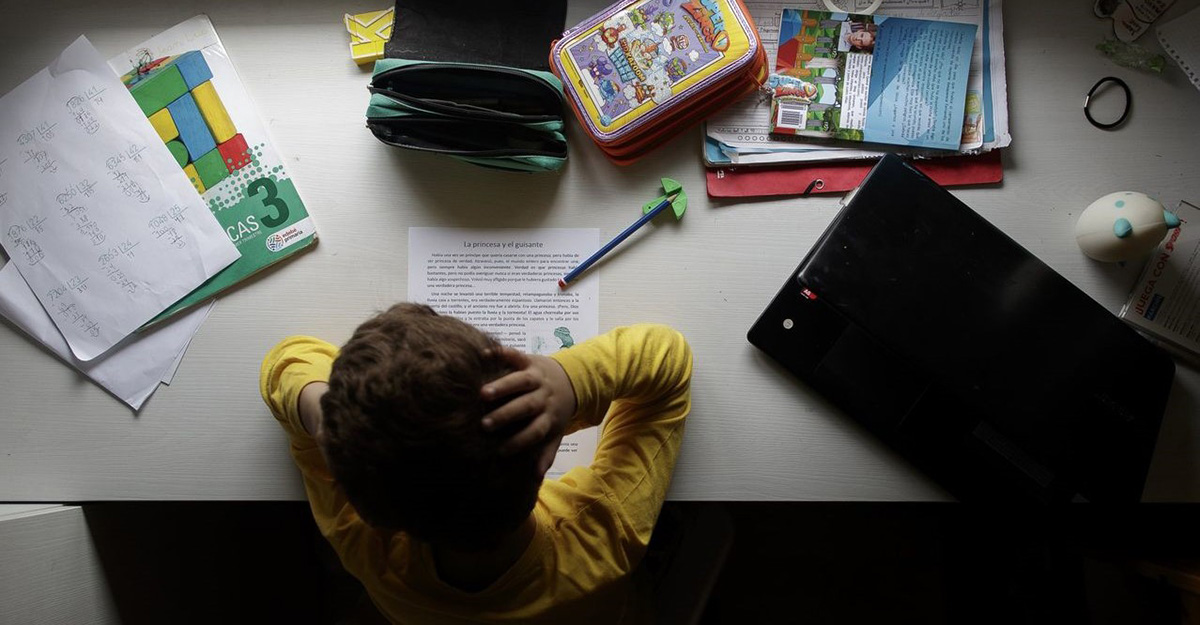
(593, 524)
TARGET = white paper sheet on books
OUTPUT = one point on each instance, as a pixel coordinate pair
(94, 211)
(505, 282)
(744, 127)
(132, 369)
(169, 374)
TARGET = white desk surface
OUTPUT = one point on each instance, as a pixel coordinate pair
(754, 433)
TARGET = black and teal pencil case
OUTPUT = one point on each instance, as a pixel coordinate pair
(503, 117)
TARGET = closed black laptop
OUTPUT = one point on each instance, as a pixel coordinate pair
(965, 352)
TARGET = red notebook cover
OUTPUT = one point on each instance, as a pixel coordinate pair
(838, 177)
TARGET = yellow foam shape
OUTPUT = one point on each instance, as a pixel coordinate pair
(214, 112)
(194, 177)
(368, 33)
(164, 124)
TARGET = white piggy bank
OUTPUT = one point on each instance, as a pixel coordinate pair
(1126, 225)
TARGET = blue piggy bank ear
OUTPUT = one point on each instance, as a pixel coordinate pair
(1122, 228)
(1171, 219)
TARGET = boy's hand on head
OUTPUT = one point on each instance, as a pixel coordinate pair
(539, 394)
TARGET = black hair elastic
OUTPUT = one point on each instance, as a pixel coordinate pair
(1087, 102)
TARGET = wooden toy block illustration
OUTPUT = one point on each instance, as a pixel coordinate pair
(178, 96)
(192, 129)
(164, 125)
(214, 112)
(211, 168)
(179, 151)
(194, 178)
(159, 89)
(368, 33)
(193, 68)
(235, 153)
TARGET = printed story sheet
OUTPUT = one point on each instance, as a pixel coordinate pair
(741, 134)
(505, 282)
(131, 370)
(94, 211)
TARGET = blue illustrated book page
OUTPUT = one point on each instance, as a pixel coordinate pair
(875, 79)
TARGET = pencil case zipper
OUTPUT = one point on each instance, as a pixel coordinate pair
(451, 109)
(425, 67)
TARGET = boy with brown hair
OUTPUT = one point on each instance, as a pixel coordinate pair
(423, 444)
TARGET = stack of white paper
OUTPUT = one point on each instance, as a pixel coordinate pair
(95, 213)
(103, 229)
(132, 369)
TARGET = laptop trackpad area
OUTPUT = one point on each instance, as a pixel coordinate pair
(868, 380)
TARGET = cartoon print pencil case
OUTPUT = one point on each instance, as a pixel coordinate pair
(494, 116)
(641, 71)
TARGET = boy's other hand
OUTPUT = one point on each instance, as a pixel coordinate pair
(540, 395)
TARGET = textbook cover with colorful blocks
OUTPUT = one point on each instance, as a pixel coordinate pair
(188, 88)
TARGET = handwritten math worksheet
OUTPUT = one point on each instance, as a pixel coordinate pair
(102, 223)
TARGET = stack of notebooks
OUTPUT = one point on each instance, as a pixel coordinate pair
(926, 83)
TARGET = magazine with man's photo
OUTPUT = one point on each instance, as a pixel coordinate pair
(876, 79)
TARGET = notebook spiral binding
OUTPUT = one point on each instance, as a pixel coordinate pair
(1187, 69)
(1186, 54)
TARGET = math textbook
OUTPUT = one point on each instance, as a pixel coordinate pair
(874, 79)
(187, 87)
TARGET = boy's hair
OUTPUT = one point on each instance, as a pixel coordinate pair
(403, 434)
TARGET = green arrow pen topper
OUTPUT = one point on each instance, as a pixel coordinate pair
(678, 205)
(672, 196)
